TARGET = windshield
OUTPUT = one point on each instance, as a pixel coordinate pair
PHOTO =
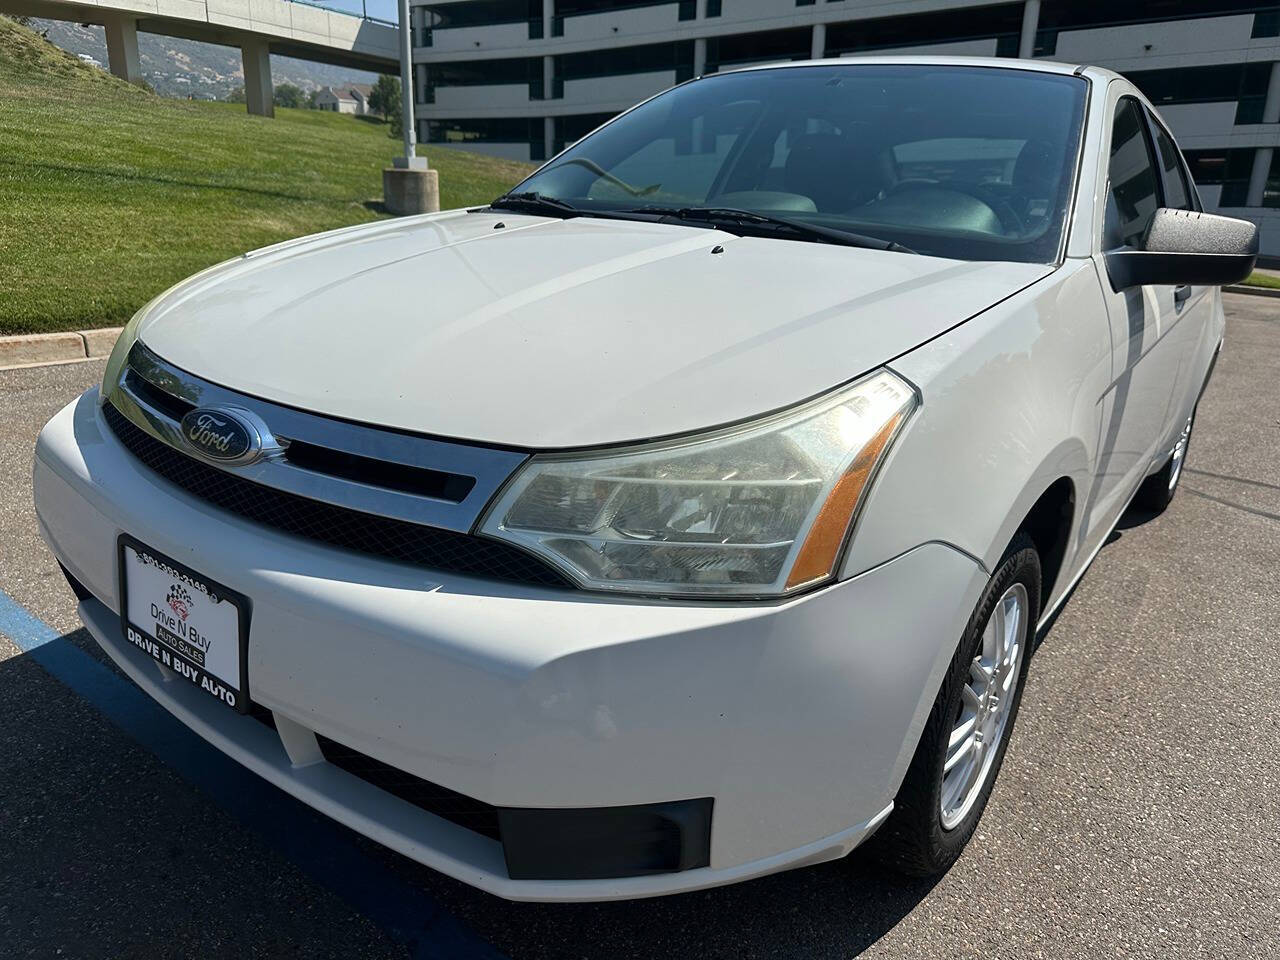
(973, 163)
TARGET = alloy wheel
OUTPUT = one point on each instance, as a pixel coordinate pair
(1179, 453)
(985, 706)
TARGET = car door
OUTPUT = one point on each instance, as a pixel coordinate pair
(1144, 358)
(1190, 328)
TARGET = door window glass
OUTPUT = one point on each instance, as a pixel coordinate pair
(1176, 193)
(1132, 191)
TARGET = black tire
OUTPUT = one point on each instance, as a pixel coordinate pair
(1157, 491)
(913, 840)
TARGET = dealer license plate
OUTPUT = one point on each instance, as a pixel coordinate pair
(186, 622)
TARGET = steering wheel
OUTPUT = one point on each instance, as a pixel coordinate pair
(914, 182)
(604, 174)
(1003, 210)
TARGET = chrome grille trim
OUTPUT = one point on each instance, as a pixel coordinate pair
(489, 468)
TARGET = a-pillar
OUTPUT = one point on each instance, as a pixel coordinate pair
(122, 48)
(1030, 23)
(257, 76)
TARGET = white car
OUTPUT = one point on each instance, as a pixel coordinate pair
(685, 515)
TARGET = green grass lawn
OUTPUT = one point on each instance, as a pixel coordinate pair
(109, 194)
(1257, 279)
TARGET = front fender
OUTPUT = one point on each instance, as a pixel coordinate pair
(1011, 403)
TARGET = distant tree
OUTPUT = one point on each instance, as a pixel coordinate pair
(384, 99)
(287, 95)
(395, 117)
(236, 95)
(311, 99)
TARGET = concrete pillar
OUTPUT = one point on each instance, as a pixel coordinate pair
(257, 76)
(122, 48)
(418, 21)
(407, 192)
(818, 44)
(548, 14)
(699, 56)
(548, 137)
(1271, 110)
(548, 78)
(1258, 176)
(1030, 23)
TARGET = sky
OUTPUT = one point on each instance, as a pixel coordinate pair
(381, 9)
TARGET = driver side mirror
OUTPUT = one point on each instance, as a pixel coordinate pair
(1186, 247)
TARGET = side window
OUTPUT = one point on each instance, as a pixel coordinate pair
(1132, 186)
(1176, 192)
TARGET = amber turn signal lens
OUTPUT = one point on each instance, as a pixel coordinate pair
(817, 557)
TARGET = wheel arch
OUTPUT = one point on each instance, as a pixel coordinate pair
(1049, 523)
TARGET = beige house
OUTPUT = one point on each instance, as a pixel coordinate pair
(348, 98)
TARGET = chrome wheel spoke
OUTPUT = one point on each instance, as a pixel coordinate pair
(980, 675)
(1179, 452)
(999, 630)
(1012, 643)
(958, 752)
(963, 731)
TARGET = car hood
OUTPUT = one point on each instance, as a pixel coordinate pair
(548, 333)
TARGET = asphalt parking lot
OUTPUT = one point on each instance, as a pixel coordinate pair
(1136, 814)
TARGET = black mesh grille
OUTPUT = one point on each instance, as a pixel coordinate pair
(443, 802)
(338, 526)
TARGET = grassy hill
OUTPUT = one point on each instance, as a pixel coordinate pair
(109, 194)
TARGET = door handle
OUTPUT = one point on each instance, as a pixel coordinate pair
(1180, 294)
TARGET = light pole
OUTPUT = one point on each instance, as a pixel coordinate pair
(410, 160)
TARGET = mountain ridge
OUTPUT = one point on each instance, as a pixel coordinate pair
(190, 69)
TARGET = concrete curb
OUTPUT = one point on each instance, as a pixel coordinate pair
(42, 349)
(1249, 291)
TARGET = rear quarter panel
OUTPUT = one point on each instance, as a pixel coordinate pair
(1011, 402)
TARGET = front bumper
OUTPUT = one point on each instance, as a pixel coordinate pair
(797, 717)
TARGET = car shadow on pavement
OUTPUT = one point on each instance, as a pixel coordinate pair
(830, 911)
(90, 812)
(1131, 518)
(110, 852)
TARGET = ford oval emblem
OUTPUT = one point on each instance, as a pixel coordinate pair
(221, 435)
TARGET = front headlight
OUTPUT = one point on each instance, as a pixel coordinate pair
(762, 509)
(120, 353)
(129, 335)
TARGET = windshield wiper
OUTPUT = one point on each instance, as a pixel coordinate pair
(721, 215)
(532, 202)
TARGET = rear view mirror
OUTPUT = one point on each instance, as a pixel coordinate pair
(1186, 247)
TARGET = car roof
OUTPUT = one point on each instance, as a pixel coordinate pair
(1007, 63)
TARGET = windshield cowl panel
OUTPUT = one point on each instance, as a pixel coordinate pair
(962, 162)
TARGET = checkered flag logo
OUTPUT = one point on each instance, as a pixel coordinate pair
(179, 601)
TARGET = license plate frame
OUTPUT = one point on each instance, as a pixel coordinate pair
(166, 653)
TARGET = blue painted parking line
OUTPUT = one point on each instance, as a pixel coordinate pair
(321, 848)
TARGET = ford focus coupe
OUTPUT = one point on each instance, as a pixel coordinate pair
(686, 514)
